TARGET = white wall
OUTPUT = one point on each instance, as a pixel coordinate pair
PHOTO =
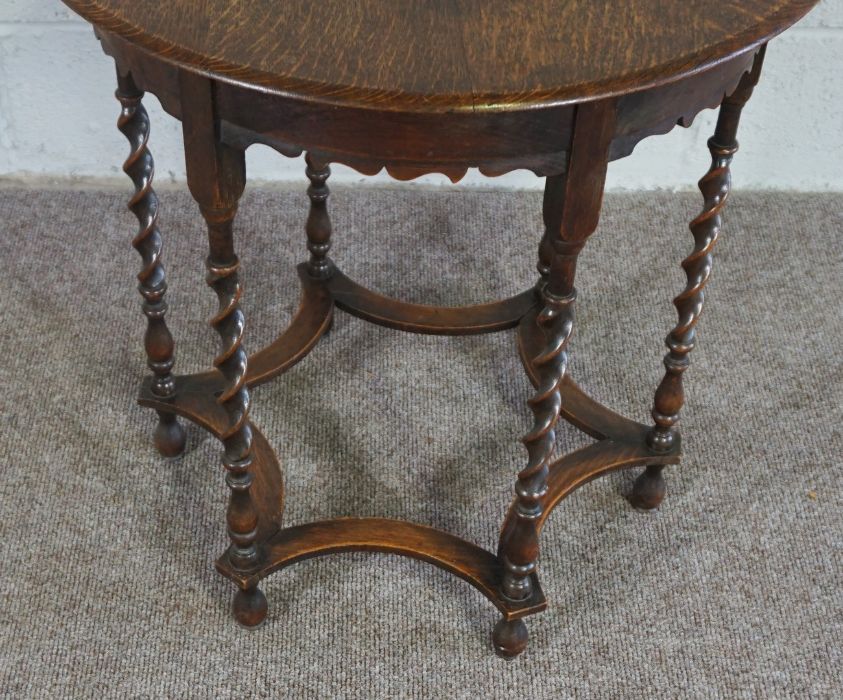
(57, 114)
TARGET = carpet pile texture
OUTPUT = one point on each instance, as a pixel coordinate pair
(734, 588)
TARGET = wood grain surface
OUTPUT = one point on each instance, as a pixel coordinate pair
(557, 86)
(445, 55)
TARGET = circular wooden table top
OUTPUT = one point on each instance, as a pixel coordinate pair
(445, 55)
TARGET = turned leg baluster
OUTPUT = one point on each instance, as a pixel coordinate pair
(216, 176)
(318, 225)
(571, 211)
(158, 341)
(649, 489)
(554, 191)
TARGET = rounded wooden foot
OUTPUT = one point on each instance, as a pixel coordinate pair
(510, 638)
(249, 607)
(649, 489)
(170, 437)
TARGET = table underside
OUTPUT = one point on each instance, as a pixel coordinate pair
(620, 442)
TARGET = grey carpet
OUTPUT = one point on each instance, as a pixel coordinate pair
(732, 589)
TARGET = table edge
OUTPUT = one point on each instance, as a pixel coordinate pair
(338, 96)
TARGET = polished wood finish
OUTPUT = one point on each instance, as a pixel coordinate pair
(318, 225)
(452, 55)
(510, 637)
(133, 122)
(571, 216)
(471, 563)
(433, 320)
(311, 322)
(496, 136)
(216, 176)
(415, 88)
(250, 607)
(649, 488)
(196, 400)
(621, 442)
(715, 186)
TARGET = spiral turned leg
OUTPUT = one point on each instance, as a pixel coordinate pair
(649, 489)
(519, 548)
(571, 211)
(169, 436)
(249, 605)
(216, 176)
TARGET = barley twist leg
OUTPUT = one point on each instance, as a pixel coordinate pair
(649, 489)
(169, 436)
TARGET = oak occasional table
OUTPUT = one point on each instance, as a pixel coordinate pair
(559, 87)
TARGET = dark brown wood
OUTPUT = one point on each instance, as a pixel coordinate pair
(554, 192)
(216, 176)
(570, 472)
(497, 138)
(447, 56)
(250, 607)
(715, 186)
(169, 437)
(471, 563)
(414, 88)
(510, 637)
(575, 211)
(649, 488)
(311, 322)
(196, 400)
(579, 409)
(409, 144)
(434, 320)
(623, 443)
(318, 222)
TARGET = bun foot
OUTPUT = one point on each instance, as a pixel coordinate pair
(249, 607)
(170, 437)
(649, 489)
(510, 638)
